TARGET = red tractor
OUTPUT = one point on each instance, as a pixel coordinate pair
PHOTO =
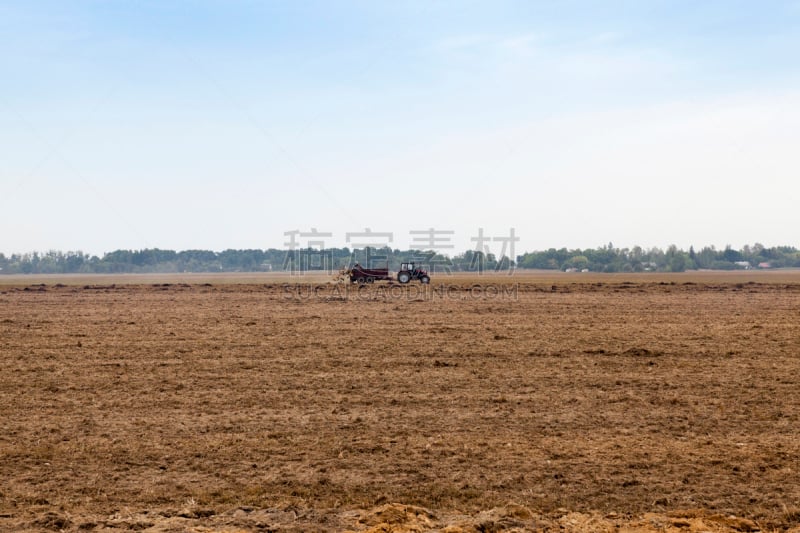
(408, 272)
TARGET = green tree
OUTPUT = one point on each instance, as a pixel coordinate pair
(578, 261)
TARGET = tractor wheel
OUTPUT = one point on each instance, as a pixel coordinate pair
(361, 281)
(370, 279)
(403, 277)
(425, 280)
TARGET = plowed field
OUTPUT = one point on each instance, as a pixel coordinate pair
(533, 401)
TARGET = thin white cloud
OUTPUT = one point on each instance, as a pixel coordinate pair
(618, 64)
(607, 37)
(522, 44)
(595, 58)
(461, 42)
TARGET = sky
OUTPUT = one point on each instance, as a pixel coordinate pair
(216, 124)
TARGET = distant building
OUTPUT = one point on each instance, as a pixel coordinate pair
(765, 265)
(743, 264)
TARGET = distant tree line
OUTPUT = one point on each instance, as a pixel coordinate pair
(154, 260)
(603, 259)
(610, 259)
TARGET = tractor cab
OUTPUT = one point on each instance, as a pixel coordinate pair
(407, 267)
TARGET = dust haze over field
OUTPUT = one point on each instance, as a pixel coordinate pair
(580, 402)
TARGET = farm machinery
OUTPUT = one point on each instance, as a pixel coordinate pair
(407, 273)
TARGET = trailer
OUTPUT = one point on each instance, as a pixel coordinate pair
(359, 274)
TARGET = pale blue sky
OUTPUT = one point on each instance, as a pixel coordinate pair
(223, 124)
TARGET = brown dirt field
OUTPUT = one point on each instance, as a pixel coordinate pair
(527, 402)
